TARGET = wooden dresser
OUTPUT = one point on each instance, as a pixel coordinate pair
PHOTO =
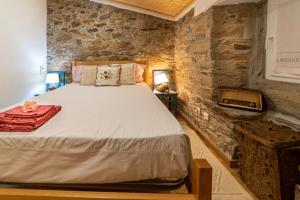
(269, 157)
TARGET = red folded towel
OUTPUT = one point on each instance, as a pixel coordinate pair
(27, 125)
(17, 112)
(4, 119)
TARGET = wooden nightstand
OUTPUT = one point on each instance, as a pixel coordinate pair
(169, 99)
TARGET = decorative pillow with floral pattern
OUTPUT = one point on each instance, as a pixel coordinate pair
(108, 76)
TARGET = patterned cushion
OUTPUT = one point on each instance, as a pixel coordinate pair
(139, 71)
(108, 76)
(88, 75)
(128, 74)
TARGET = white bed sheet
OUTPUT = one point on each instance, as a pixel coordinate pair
(102, 135)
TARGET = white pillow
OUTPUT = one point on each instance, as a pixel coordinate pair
(128, 74)
(88, 75)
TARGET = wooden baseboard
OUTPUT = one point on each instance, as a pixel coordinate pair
(216, 151)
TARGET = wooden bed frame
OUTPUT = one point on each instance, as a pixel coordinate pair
(198, 181)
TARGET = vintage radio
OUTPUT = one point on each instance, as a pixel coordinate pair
(242, 99)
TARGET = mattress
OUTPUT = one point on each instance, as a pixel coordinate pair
(102, 135)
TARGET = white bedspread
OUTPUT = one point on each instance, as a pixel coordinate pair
(102, 135)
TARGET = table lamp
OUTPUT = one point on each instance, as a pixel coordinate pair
(52, 79)
(162, 81)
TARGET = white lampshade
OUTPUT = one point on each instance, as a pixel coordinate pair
(161, 78)
(52, 78)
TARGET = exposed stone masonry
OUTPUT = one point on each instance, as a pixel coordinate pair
(85, 30)
(213, 50)
(232, 40)
(224, 47)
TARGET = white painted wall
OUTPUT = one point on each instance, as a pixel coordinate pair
(23, 49)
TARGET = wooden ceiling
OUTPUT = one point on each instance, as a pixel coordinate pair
(167, 7)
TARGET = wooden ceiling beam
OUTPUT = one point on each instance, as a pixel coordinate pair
(166, 7)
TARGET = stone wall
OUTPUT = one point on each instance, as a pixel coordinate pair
(232, 39)
(224, 47)
(85, 30)
(213, 50)
(193, 59)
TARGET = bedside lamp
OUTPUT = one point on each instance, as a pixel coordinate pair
(162, 82)
(52, 79)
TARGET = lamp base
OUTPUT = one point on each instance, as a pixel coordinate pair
(53, 87)
(163, 88)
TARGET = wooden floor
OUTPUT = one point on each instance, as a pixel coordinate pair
(226, 182)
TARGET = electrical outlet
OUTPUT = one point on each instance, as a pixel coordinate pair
(43, 70)
(205, 115)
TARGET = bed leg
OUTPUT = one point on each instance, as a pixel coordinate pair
(201, 178)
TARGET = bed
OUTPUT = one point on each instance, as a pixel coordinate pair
(102, 135)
